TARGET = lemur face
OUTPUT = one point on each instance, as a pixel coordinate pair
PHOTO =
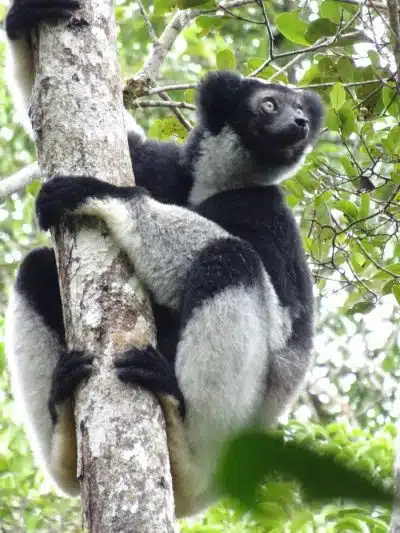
(274, 122)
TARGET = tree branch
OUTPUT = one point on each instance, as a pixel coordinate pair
(77, 115)
(140, 84)
(19, 180)
(157, 103)
(394, 21)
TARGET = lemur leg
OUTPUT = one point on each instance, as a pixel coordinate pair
(218, 284)
(41, 382)
(220, 369)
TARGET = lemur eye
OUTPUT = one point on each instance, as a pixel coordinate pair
(269, 105)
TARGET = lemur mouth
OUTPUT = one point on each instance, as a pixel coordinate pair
(293, 140)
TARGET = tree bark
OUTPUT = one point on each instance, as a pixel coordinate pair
(77, 117)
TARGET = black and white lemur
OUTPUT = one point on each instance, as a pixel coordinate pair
(220, 253)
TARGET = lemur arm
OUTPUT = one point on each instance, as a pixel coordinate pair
(158, 166)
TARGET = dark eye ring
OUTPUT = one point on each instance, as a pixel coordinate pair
(269, 105)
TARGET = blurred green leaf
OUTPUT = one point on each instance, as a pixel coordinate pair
(292, 27)
(254, 456)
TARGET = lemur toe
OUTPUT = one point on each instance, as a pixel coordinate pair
(148, 368)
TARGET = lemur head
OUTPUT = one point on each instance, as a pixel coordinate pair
(275, 124)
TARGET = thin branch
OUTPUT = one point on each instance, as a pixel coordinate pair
(145, 78)
(177, 112)
(177, 87)
(147, 21)
(349, 84)
(269, 29)
(361, 3)
(19, 180)
(156, 103)
(313, 48)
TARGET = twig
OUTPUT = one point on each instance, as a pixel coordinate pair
(167, 88)
(301, 51)
(151, 68)
(361, 3)
(177, 112)
(147, 21)
(19, 180)
(269, 30)
(156, 103)
(308, 49)
(348, 84)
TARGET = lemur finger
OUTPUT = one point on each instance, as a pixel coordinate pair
(147, 367)
(69, 372)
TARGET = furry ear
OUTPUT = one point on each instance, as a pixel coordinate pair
(218, 95)
(315, 110)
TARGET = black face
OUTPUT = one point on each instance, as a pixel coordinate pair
(275, 123)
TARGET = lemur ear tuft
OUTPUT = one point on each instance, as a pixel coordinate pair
(218, 95)
(315, 110)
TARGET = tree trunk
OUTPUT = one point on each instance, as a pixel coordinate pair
(77, 117)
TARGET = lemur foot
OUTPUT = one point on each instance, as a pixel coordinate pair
(71, 369)
(147, 367)
(26, 15)
(65, 194)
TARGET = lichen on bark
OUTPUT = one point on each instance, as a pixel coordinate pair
(77, 118)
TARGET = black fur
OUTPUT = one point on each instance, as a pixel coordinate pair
(72, 367)
(224, 263)
(256, 214)
(249, 135)
(25, 15)
(259, 215)
(61, 195)
(158, 167)
(147, 367)
(37, 281)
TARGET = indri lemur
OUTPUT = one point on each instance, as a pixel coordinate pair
(220, 253)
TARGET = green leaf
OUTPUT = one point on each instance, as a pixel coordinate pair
(347, 119)
(345, 68)
(396, 292)
(338, 96)
(390, 100)
(320, 28)
(187, 4)
(361, 307)
(358, 261)
(347, 207)
(332, 120)
(226, 59)
(253, 456)
(163, 6)
(364, 205)
(189, 96)
(167, 129)
(292, 27)
(330, 10)
(312, 74)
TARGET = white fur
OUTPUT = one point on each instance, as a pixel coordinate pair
(20, 75)
(225, 349)
(32, 351)
(132, 126)
(161, 240)
(224, 164)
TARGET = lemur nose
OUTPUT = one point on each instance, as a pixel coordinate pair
(302, 122)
